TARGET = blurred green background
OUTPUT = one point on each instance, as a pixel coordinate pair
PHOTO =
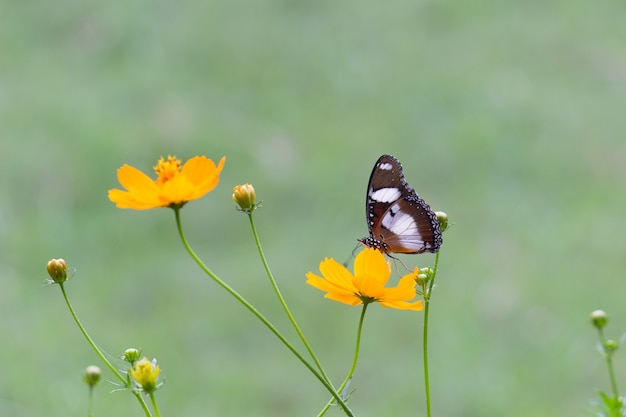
(509, 116)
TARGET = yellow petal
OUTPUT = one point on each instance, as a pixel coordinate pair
(142, 192)
(399, 294)
(369, 286)
(372, 262)
(177, 190)
(405, 289)
(124, 199)
(349, 299)
(402, 305)
(320, 283)
(203, 173)
(337, 274)
(196, 169)
(134, 180)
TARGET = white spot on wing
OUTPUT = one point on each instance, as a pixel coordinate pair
(385, 195)
(400, 223)
(404, 224)
(415, 245)
(386, 166)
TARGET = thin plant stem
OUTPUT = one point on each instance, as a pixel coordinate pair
(258, 315)
(100, 354)
(90, 402)
(282, 301)
(609, 363)
(154, 405)
(354, 361)
(427, 295)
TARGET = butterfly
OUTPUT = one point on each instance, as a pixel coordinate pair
(398, 220)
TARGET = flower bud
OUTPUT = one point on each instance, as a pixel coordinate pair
(421, 279)
(443, 220)
(245, 196)
(599, 318)
(425, 275)
(131, 355)
(145, 374)
(92, 375)
(610, 346)
(57, 269)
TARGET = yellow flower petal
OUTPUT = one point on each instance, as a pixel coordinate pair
(405, 290)
(174, 186)
(177, 190)
(349, 299)
(145, 374)
(336, 273)
(367, 285)
(370, 286)
(372, 262)
(141, 189)
(123, 199)
(322, 284)
(203, 173)
(402, 305)
(134, 180)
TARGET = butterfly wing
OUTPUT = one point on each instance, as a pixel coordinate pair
(398, 219)
(409, 226)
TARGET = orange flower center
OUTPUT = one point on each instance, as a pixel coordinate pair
(166, 170)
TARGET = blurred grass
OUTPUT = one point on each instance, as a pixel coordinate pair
(508, 116)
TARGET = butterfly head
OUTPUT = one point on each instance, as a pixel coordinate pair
(372, 242)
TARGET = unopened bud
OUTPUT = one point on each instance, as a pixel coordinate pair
(443, 220)
(131, 355)
(245, 196)
(610, 346)
(599, 318)
(57, 269)
(425, 275)
(92, 375)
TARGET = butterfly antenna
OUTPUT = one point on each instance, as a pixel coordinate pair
(352, 255)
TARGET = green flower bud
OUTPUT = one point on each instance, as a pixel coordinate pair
(92, 375)
(610, 345)
(599, 318)
(443, 220)
(131, 355)
(424, 275)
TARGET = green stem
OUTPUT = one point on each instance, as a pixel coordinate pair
(609, 363)
(258, 315)
(427, 295)
(90, 402)
(282, 301)
(154, 405)
(354, 361)
(100, 354)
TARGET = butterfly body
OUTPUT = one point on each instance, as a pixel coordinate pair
(398, 220)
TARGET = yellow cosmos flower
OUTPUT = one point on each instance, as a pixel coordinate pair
(145, 374)
(174, 186)
(371, 273)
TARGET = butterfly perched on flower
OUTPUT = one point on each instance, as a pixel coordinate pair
(398, 220)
